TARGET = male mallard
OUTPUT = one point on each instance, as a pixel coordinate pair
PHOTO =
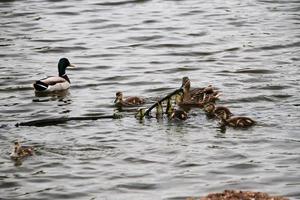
(20, 152)
(217, 111)
(55, 83)
(129, 101)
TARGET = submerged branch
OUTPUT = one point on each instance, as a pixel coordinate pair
(62, 120)
(147, 112)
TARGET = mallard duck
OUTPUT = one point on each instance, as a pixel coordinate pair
(179, 115)
(217, 111)
(129, 101)
(187, 100)
(237, 122)
(197, 97)
(55, 83)
(20, 152)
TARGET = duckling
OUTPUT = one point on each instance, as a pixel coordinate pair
(140, 114)
(20, 152)
(206, 95)
(217, 111)
(210, 97)
(179, 115)
(129, 101)
(237, 122)
(55, 83)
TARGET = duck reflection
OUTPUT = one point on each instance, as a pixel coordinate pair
(61, 96)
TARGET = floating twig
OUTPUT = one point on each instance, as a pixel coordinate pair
(62, 120)
(147, 112)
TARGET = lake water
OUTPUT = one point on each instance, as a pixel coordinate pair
(249, 50)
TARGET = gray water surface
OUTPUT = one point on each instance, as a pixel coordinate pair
(249, 50)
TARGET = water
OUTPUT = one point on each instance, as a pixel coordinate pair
(249, 50)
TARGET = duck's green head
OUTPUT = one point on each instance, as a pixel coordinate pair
(63, 63)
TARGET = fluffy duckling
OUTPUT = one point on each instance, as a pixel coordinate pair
(55, 83)
(227, 118)
(210, 97)
(179, 115)
(20, 152)
(217, 111)
(207, 95)
(239, 122)
(129, 101)
(140, 113)
(236, 121)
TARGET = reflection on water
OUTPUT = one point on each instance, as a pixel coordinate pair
(53, 96)
(248, 50)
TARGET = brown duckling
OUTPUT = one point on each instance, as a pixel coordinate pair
(129, 101)
(179, 115)
(210, 98)
(140, 113)
(20, 152)
(206, 95)
(217, 111)
(238, 122)
(227, 118)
